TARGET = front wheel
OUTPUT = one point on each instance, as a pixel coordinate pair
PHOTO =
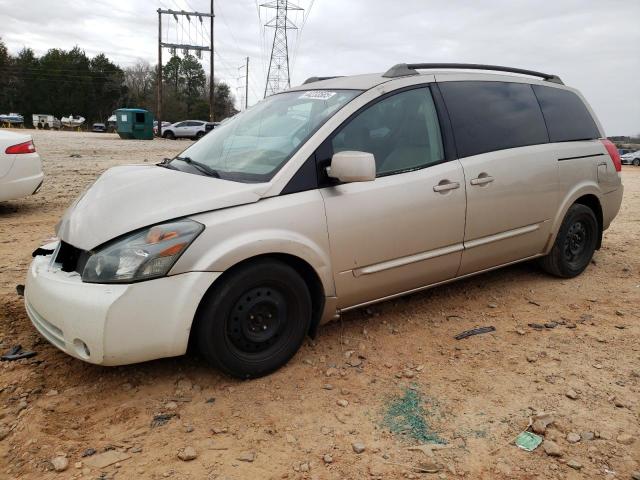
(169, 135)
(575, 243)
(255, 320)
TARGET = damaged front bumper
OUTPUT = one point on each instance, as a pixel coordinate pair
(113, 324)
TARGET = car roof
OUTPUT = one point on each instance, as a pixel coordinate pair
(351, 82)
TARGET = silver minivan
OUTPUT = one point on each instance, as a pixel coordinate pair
(329, 196)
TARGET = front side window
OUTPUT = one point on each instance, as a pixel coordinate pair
(402, 132)
(253, 145)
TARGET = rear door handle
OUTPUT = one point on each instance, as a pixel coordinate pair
(445, 186)
(482, 180)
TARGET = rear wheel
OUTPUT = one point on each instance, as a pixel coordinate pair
(199, 135)
(636, 162)
(169, 135)
(575, 243)
(255, 320)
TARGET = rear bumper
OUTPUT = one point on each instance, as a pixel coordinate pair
(610, 203)
(113, 324)
(24, 177)
(20, 187)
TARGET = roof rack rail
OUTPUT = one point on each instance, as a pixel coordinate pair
(318, 79)
(404, 69)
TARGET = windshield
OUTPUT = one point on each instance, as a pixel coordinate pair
(254, 144)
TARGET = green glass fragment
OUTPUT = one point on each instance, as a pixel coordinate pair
(528, 441)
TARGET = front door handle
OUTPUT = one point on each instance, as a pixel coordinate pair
(482, 179)
(445, 186)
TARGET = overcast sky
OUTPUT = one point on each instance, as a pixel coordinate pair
(593, 45)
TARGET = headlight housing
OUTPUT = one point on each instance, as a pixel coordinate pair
(142, 255)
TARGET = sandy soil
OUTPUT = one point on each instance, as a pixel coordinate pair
(404, 378)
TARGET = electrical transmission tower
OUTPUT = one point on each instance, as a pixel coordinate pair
(278, 74)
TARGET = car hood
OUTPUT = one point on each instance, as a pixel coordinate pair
(129, 197)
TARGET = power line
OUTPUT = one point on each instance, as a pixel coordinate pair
(186, 48)
(299, 36)
(230, 30)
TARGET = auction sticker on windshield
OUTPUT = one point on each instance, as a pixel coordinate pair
(318, 94)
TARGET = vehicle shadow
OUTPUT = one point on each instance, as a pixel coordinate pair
(11, 207)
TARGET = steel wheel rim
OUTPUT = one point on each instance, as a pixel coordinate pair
(257, 320)
(576, 242)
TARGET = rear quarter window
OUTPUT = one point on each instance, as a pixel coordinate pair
(567, 117)
(490, 116)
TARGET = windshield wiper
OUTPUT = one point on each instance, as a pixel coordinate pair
(206, 169)
(166, 163)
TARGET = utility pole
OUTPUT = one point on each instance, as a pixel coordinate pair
(159, 105)
(185, 48)
(278, 76)
(211, 71)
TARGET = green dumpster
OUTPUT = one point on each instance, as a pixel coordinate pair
(134, 123)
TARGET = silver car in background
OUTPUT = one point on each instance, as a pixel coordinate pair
(332, 195)
(631, 158)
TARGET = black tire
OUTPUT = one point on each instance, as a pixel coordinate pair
(199, 135)
(574, 246)
(169, 135)
(255, 320)
(636, 162)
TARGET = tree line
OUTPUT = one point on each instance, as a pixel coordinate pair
(62, 82)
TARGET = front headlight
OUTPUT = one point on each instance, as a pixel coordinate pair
(142, 255)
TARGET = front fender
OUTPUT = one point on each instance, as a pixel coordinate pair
(290, 224)
(242, 247)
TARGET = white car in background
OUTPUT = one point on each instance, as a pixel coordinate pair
(195, 129)
(20, 166)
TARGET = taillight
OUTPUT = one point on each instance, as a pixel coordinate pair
(613, 153)
(26, 147)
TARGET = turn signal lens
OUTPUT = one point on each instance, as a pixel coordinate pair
(171, 251)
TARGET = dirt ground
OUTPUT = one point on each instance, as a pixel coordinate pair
(385, 379)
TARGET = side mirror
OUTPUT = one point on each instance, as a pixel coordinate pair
(353, 167)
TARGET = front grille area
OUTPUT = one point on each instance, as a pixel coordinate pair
(71, 258)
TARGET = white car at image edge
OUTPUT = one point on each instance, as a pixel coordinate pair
(20, 166)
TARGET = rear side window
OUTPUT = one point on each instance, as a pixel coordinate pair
(566, 115)
(489, 116)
